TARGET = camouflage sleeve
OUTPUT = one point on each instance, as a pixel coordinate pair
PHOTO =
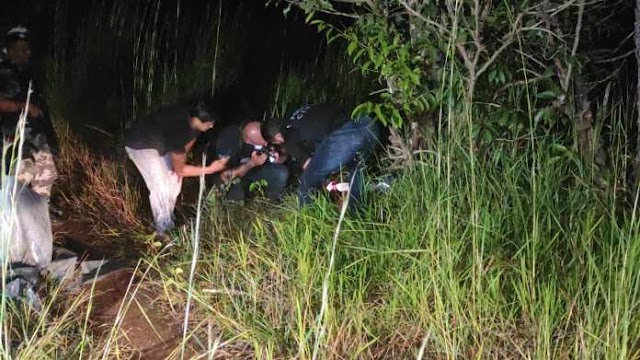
(39, 171)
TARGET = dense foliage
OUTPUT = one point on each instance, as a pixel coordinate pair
(526, 65)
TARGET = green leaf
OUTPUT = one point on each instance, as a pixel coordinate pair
(396, 118)
(362, 109)
(286, 10)
(559, 148)
(492, 75)
(378, 111)
(351, 47)
(309, 16)
(546, 95)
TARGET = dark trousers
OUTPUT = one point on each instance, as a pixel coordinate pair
(272, 176)
(347, 146)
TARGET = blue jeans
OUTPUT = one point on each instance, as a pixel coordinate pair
(348, 146)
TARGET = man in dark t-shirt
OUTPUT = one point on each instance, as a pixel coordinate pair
(250, 161)
(321, 139)
(158, 144)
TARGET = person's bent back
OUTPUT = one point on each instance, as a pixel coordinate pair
(322, 139)
(158, 144)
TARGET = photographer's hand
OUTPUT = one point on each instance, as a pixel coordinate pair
(217, 165)
(258, 159)
(239, 171)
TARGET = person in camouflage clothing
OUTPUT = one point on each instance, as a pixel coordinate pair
(38, 171)
(34, 171)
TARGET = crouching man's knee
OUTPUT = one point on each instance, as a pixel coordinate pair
(276, 176)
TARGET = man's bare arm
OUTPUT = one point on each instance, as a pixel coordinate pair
(15, 106)
(242, 169)
(180, 166)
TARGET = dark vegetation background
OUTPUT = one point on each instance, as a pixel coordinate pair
(118, 59)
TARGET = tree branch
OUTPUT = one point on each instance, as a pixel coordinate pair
(465, 57)
(413, 12)
(613, 59)
(509, 39)
(574, 49)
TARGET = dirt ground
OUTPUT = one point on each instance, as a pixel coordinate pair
(145, 331)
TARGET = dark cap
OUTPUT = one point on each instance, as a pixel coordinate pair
(15, 34)
(273, 126)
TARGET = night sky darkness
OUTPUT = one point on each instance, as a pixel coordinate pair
(295, 38)
(271, 41)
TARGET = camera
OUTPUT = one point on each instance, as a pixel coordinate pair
(260, 149)
(269, 150)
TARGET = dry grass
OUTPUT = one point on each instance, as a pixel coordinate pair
(95, 186)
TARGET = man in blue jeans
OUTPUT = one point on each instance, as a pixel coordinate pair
(320, 140)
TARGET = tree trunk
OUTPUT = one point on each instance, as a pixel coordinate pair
(583, 121)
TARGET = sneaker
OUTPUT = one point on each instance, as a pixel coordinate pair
(22, 286)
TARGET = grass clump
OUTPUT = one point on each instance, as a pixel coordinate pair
(529, 262)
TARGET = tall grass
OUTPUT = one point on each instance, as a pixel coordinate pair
(142, 55)
(440, 269)
(506, 251)
(433, 269)
(329, 78)
(96, 187)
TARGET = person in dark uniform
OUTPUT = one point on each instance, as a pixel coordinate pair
(34, 171)
(321, 139)
(17, 75)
